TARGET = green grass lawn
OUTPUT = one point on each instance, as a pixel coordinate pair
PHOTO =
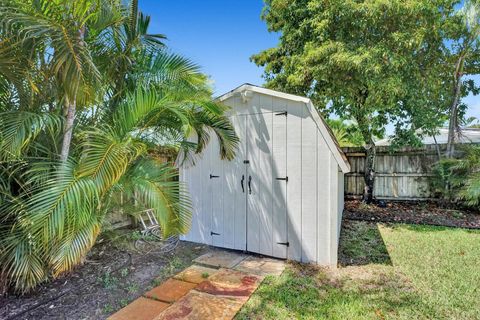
(387, 272)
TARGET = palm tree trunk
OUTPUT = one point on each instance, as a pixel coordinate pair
(68, 130)
(71, 109)
(453, 126)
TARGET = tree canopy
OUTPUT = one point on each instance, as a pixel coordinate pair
(374, 62)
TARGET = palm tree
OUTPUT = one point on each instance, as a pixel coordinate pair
(52, 202)
(346, 133)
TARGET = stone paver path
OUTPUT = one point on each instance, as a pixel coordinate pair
(215, 287)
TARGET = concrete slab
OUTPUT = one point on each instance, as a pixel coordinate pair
(230, 283)
(261, 266)
(195, 274)
(223, 259)
(202, 306)
(140, 309)
(170, 291)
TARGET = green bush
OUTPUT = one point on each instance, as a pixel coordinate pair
(458, 180)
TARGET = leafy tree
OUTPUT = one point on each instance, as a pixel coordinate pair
(464, 61)
(130, 97)
(371, 61)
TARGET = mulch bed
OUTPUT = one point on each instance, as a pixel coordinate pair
(429, 213)
(110, 278)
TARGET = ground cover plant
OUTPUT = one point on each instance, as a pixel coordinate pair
(386, 272)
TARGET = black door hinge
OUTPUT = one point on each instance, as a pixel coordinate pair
(285, 113)
(284, 179)
(214, 233)
(284, 243)
(212, 176)
(246, 161)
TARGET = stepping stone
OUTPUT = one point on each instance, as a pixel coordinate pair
(230, 283)
(202, 306)
(223, 259)
(261, 266)
(140, 309)
(195, 274)
(170, 291)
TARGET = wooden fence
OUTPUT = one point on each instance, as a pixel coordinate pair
(403, 174)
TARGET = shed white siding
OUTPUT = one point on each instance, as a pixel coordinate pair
(287, 201)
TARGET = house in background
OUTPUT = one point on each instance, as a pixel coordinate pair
(468, 135)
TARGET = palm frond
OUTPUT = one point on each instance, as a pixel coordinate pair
(206, 122)
(155, 185)
(80, 236)
(19, 128)
(63, 193)
(105, 158)
(22, 261)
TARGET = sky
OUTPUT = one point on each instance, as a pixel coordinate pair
(221, 36)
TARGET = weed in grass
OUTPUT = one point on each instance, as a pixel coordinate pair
(457, 214)
(108, 280)
(132, 288)
(108, 308)
(124, 303)
(364, 206)
(173, 266)
(124, 272)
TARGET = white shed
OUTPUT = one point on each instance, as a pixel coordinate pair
(282, 196)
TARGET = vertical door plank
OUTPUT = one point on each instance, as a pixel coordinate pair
(234, 199)
(216, 182)
(207, 190)
(279, 187)
(259, 210)
(309, 187)
(294, 194)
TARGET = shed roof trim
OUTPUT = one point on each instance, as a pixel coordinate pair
(321, 125)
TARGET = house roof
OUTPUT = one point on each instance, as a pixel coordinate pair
(330, 139)
(466, 136)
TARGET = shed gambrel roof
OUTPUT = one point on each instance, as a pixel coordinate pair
(320, 122)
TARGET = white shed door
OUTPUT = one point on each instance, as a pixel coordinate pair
(247, 196)
(267, 183)
(226, 194)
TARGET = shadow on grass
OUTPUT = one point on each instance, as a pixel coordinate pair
(308, 292)
(361, 243)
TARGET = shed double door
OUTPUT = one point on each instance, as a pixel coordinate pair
(252, 214)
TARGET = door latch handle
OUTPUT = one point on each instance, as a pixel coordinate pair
(214, 233)
(249, 184)
(212, 176)
(241, 182)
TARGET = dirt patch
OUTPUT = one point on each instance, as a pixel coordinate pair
(111, 277)
(412, 212)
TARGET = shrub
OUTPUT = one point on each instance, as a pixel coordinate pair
(458, 180)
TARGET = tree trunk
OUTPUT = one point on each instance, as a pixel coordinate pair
(437, 148)
(369, 175)
(453, 126)
(71, 109)
(68, 130)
